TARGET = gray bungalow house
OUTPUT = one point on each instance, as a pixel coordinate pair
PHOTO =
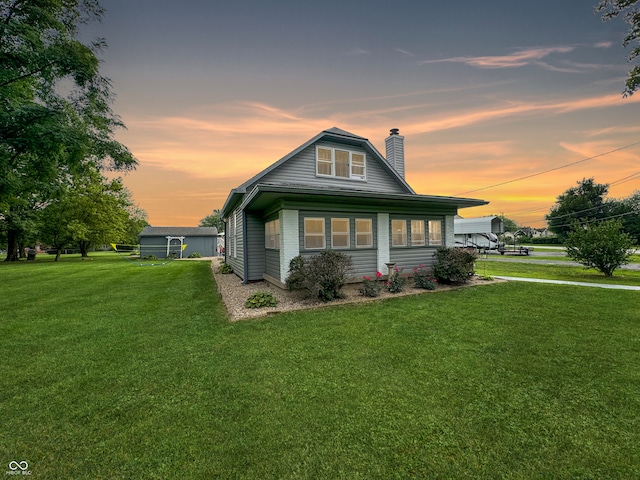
(335, 191)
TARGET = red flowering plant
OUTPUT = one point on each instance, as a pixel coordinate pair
(396, 283)
(371, 287)
(424, 279)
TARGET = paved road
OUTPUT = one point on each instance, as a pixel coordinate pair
(531, 259)
(565, 282)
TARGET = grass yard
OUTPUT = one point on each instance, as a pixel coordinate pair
(111, 370)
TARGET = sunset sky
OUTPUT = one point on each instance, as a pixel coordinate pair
(484, 93)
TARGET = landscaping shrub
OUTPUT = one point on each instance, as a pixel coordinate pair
(260, 300)
(225, 268)
(454, 265)
(195, 255)
(326, 274)
(149, 257)
(424, 279)
(371, 287)
(322, 275)
(295, 279)
(396, 283)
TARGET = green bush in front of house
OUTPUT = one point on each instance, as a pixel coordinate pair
(295, 279)
(322, 275)
(454, 265)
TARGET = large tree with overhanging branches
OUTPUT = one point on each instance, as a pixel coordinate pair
(629, 10)
(56, 120)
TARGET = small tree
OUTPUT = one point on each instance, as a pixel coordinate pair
(603, 246)
(213, 220)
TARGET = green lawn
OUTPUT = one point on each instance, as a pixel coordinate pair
(111, 370)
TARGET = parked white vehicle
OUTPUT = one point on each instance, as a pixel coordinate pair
(481, 232)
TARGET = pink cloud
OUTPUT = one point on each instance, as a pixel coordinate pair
(513, 60)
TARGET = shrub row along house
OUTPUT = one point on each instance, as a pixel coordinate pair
(335, 191)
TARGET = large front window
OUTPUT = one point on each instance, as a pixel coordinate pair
(398, 233)
(340, 233)
(435, 232)
(364, 233)
(336, 162)
(314, 234)
(417, 233)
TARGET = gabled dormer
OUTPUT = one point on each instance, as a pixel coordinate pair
(334, 158)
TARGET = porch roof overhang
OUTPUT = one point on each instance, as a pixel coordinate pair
(264, 196)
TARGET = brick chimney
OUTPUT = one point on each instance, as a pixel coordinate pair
(395, 150)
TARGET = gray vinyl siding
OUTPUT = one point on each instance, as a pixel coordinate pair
(410, 258)
(255, 256)
(205, 246)
(364, 260)
(273, 263)
(236, 259)
(301, 169)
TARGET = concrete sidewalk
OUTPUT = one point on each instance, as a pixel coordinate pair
(565, 282)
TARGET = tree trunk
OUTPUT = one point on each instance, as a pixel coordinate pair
(84, 248)
(12, 246)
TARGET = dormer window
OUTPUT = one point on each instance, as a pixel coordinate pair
(339, 163)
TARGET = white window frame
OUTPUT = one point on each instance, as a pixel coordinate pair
(368, 232)
(403, 232)
(272, 234)
(361, 163)
(359, 176)
(418, 238)
(324, 161)
(435, 234)
(340, 233)
(307, 234)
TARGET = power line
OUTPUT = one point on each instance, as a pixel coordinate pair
(550, 170)
(536, 209)
(633, 212)
(625, 179)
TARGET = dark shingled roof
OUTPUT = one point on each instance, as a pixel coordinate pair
(179, 232)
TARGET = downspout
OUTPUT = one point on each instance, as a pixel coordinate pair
(245, 263)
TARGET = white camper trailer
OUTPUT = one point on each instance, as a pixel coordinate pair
(480, 232)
